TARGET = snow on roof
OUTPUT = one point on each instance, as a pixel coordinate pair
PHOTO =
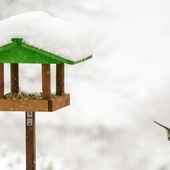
(51, 34)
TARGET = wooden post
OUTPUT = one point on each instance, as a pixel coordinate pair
(46, 81)
(1, 80)
(14, 78)
(60, 79)
(30, 141)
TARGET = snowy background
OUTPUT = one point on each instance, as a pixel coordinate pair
(114, 97)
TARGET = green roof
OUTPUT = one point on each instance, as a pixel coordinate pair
(19, 52)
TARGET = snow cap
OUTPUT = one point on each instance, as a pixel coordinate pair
(56, 36)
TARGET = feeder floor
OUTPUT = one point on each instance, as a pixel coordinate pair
(38, 105)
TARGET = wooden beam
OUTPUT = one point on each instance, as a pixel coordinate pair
(35, 105)
(46, 81)
(30, 141)
(14, 78)
(1, 80)
(60, 79)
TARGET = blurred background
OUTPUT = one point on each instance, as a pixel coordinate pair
(115, 96)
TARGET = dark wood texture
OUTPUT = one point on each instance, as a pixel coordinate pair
(14, 78)
(30, 142)
(59, 102)
(60, 79)
(1, 80)
(23, 105)
(35, 105)
(46, 81)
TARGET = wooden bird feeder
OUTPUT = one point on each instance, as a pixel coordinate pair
(18, 52)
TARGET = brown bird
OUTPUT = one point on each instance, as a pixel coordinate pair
(168, 129)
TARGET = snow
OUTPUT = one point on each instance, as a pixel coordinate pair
(51, 34)
(15, 161)
(114, 97)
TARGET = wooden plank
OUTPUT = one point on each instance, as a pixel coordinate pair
(60, 102)
(23, 105)
(35, 105)
(46, 81)
(14, 78)
(30, 141)
(60, 79)
(1, 80)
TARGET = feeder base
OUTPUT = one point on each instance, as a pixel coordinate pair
(35, 105)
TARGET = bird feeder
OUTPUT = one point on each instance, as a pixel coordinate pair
(19, 52)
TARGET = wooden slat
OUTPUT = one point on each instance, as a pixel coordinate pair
(1, 80)
(30, 141)
(60, 102)
(46, 81)
(14, 78)
(35, 105)
(23, 105)
(60, 79)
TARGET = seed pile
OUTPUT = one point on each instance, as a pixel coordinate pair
(25, 96)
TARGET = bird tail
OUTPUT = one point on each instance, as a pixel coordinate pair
(162, 125)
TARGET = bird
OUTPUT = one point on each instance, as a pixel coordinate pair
(168, 129)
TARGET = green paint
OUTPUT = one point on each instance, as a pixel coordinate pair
(20, 52)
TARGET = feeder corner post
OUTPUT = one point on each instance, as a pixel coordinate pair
(1, 80)
(46, 81)
(14, 68)
(60, 79)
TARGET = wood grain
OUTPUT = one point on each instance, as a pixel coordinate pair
(60, 102)
(35, 105)
(46, 81)
(30, 143)
(14, 78)
(1, 80)
(60, 79)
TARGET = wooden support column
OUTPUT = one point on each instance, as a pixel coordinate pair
(14, 78)
(60, 79)
(1, 80)
(46, 81)
(30, 141)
